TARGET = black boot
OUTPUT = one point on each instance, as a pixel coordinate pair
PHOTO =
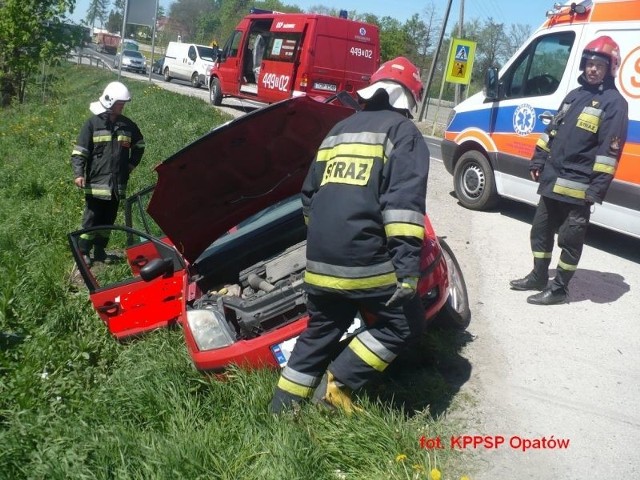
(530, 282)
(283, 401)
(99, 252)
(548, 296)
(537, 279)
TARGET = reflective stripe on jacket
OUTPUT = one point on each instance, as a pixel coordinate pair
(578, 153)
(364, 203)
(104, 153)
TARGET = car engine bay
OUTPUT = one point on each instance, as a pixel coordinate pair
(268, 295)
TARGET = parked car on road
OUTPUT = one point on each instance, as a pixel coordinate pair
(218, 244)
(156, 67)
(188, 61)
(131, 60)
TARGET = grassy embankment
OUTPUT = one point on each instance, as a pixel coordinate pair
(76, 404)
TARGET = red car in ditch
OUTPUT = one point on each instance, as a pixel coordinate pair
(218, 244)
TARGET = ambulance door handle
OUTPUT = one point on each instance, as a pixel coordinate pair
(546, 117)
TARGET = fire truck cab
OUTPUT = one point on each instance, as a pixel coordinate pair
(272, 56)
(491, 136)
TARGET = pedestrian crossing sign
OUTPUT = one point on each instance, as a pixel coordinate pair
(462, 53)
(460, 62)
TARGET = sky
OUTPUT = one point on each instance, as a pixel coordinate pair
(502, 11)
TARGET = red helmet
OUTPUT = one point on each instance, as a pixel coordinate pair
(402, 71)
(603, 48)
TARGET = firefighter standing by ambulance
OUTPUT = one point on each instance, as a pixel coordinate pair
(364, 204)
(109, 147)
(574, 161)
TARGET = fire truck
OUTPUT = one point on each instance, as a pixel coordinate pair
(272, 56)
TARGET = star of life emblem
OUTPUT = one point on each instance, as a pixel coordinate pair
(524, 119)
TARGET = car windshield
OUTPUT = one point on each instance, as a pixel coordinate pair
(132, 53)
(207, 53)
(256, 222)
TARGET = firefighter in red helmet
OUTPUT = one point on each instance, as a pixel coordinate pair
(364, 203)
(574, 162)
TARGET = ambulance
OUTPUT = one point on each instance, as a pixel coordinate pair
(272, 56)
(491, 136)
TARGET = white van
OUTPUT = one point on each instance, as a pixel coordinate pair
(187, 61)
(491, 136)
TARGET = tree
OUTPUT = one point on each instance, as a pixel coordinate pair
(394, 41)
(185, 15)
(516, 37)
(31, 31)
(97, 11)
(114, 22)
(491, 45)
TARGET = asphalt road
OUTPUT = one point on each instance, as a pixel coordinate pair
(568, 371)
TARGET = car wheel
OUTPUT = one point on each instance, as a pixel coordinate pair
(167, 75)
(215, 92)
(455, 313)
(474, 182)
(195, 82)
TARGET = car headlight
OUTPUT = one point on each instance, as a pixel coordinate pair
(209, 329)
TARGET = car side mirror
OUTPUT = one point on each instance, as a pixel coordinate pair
(156, 268)
(491, 84)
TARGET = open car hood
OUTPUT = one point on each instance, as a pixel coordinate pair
(238, 169)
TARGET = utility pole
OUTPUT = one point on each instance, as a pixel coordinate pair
(458, 88)
(425, 100)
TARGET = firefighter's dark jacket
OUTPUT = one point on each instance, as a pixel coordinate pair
(104, 153)
(578, 153)
(364, 203)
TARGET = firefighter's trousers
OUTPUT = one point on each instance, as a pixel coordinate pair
(367, 354)
(97, 212)
(570, 222)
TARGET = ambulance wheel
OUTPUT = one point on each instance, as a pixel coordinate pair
(215, 92)
(167, 75)
(455, 313)
(474, 182)
(195, 83)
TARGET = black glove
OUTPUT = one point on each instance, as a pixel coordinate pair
(535, 174)
(405, 291)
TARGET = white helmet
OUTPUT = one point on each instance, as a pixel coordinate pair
(114, 92)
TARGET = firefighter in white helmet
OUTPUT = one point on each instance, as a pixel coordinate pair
(364, 204)
(109, 147)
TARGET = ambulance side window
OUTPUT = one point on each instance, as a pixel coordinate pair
(540, 67)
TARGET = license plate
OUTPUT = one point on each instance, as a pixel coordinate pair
(329, 87)
(282, 351)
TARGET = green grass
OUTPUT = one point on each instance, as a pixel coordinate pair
(76, 404)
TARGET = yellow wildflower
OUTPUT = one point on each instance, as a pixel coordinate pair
(401, 457)
(435, 474)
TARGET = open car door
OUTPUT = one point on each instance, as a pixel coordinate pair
(139, 287)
